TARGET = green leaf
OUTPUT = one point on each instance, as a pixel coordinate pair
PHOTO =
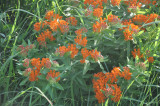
(86, 68)
(57, 85)
(23, 82)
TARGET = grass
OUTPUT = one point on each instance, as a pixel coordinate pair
(16, 23)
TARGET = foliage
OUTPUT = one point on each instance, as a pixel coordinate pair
(72, 52)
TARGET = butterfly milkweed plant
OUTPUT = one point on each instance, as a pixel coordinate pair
(91, 53)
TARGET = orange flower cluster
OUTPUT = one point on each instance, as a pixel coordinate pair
(131, 29)
(150, 59)
(63, 26)
(98, 12)
(34, 75)
(43, 36)
(53, 75)
(113, 19)
(140, 19)
(37, 65)
(115, 2)
(146, 2)
(99, 26)
(55, 22)
(71, 47)
(37, 26)
(126, 73)
(51, 16)
(81, 41)
(54, 25)
(137, 52)
(85, 53)
(24, 50)
(95, 55)
(95, 3)
(133, 3)
(127, 34)
(80, 31)
(101, 80)
(72, 20)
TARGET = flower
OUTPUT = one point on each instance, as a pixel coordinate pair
(36, 63)
(115, 2)
(88, 12)
(27, 71)
(126, 73)
(114, 74)
(81, 41)
(85, 54)
(112, 19)
(46, 62)
(72, 20)
(73, 49)
(26, 62)
(54, 25)
(150, 59)
(81, 30)
(61, 50)
(137, 52)
(37, 26)
(95, 54)
(45, 35)
(95, 3)
(63, 26)
(98, 12)
(53, 75)
(139, 19)
(141, 65)
(51, 16)
(34, 75)
(99, 85)
(108, 92)
(127, 34)
(116, 93)
(99, 26)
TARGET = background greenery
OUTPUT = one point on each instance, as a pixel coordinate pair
(17, 18)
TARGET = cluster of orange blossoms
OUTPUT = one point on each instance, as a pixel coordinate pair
(98, 12)
(99, 26)
(72, 20)
(95, 3)
(45, 35)
(115, 2)
(53, 74)
(24, 50)
(129, 30)
(134, 29)
(71, 48)
(109, 79)
(140, 18)
(113, 19)
(55, 22)
(79, 40)
(37, 65)
(137, 53)
(93, 53)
